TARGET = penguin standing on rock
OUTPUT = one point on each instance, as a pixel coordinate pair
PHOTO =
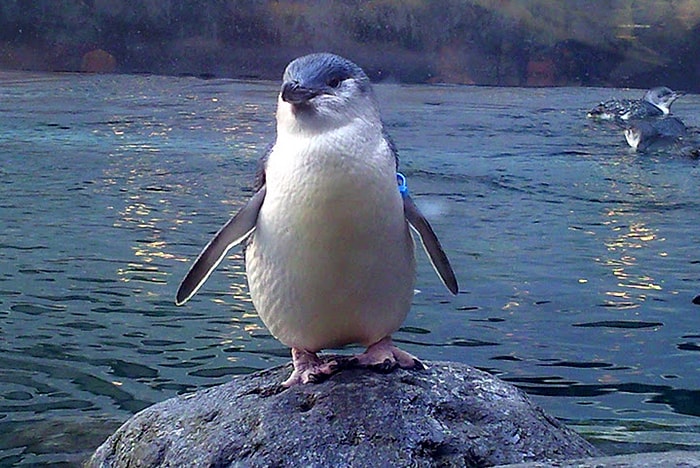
(329, 254)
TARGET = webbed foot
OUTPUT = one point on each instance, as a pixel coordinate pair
(383, 356)
(309, 368)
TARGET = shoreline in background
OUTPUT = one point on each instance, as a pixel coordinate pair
(508, 43)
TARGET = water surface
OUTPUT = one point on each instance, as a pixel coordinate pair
(577, 258)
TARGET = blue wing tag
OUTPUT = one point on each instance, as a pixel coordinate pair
(403, 187)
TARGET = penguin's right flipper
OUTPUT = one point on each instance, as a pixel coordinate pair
(431, 244)
(238, 229)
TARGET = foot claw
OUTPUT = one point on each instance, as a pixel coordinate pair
(417, 365)
(384, 367)
(313, 378)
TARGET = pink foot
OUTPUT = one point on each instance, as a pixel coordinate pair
(309, 368)
(385, 357)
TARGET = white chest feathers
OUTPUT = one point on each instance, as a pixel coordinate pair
(331, 261)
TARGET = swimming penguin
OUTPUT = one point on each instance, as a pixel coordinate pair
(655, 103)
(669, 135)
(642, 135)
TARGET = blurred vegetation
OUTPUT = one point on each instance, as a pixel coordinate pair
(497, 42)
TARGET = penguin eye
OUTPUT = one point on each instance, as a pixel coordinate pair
(334, 82)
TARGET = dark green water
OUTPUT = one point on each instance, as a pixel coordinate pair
(578, 259)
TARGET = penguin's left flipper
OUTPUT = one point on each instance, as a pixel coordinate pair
(431, 244)
(238, 229)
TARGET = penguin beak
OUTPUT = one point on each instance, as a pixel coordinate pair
(294, 93)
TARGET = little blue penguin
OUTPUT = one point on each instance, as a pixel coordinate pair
(655, 103)
(669, 135)
(328, 251)
(643, 135)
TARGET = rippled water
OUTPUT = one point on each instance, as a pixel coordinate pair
(578, 259)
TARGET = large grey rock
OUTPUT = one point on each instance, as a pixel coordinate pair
(448, 415)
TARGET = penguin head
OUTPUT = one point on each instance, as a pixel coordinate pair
(322, 91)
(662, 97)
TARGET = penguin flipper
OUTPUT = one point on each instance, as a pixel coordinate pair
(238, 229)
(431, 244)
